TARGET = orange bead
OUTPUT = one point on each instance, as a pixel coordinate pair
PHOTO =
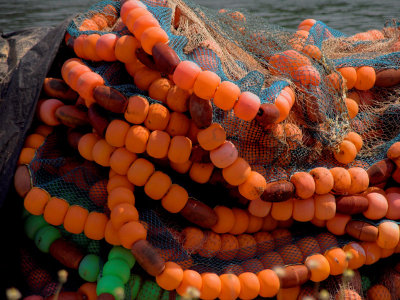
(356, 139)
(325, 206)
(89, 47)
(318, 266)
(389, 235)
(95, 225)
(78, 45)
(178, 99)
(378, 292)
(211, 286)
(312, 51)
(247, 246)
(121, 159)
(140, 171)
(171, 278)
(226, 219)
(359, 180)
(226, 95)
(128, 6)
(179, 124)
(247, 106)
(350, 75)
(119, 181)
(347, 152)
(307, 75)
(180, 149)
(111, 235)
(47, 111)
(68, 65)
(185, 74)
(144, 77)
(237, 173)
(175, 199)
(44, 130)
(241, 221)
(105, 47)
(282, 211)
(224, 156)
(74, 73)
(323, 180)
(352, 107)
(372, 252)
(337, 225)
(116, 133)
(201, 172)
(136, 139)
(308, 246)
(393, 212)
(125, 49)
(88, 290)
(377, 206)
(102, 152)
(356, 254)
(191, 279)
(152, 36)
(366, 77)
(271, 260)
(342, 179)
(303, 209)
(211, 245)
(253, 187)
(337, 260)
(133, 14)
(120, 195)
(35, 201)
(86, 84)
(259, 208)
(137, 110)
(206, 84)
(283, 105)
(134, 67)
(265, 242)
(291, 254)
(229, 247)
(193, 238)
(269, 283)
(181, 168)
(249, 285)
(75, 219)
(230, 287)
(26, 156)
(158, 144)
(122, 214)
(142, 23)
(158, 185)
(157, 117)
(255, 224)
(281, 237)
(130, 233)
(269, 223)
(304, 183)
(159, 89)
(55, 211)
(86, 145)
(326, 241)
(34, 141)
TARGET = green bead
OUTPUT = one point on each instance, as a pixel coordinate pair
(149, 291)
(45, 237)
(117, 267)
(89, 267)
(33, 224)
(112, 285)
(134, 285)
(166, 296)
(25, 214)
(122, 253)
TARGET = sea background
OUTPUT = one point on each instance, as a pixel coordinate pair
(348, 16)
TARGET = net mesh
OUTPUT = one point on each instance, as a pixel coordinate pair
(261, 58)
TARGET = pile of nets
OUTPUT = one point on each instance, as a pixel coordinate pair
(344, 93)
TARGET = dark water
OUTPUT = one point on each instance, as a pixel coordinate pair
(348, 16)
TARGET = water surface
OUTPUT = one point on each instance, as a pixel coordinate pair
(348, 16)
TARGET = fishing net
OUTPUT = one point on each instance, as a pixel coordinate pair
(263, 59)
